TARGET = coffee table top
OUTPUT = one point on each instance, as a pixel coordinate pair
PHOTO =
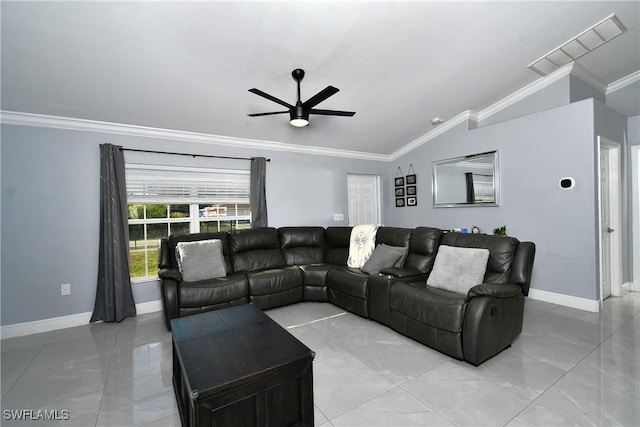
(223, 347)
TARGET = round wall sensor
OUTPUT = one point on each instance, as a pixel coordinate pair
(567, 183)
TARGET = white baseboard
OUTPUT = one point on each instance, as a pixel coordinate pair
(62, 322)
(565, 300)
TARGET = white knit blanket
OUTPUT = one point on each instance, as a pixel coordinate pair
(361, 244)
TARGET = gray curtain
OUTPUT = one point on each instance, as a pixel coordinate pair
(471, 194)
(114, 298)
(257, 193)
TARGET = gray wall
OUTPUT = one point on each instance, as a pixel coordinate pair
(535, 152)
(50, 209)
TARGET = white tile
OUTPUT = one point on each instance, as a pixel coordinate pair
(343, 383)
(520, 374)
(394, 408)
(399, 358)
(128, 412)
(461, 395)
(538, 416)
(50, 381)
(321, 345)
(303, 313)
(588, 402)
(352, 331)
(553, 350)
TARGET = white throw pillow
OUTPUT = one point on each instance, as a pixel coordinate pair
(200, 260)
(458, 269)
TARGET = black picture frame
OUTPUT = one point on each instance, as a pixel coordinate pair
(400, 202)
(411, 179)
(399, 181)
(412, 190)
(399, 191)
(412, 201)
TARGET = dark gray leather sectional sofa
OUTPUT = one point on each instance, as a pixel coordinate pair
(272, 267)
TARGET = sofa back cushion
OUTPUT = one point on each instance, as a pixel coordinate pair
(302, 245)
(423, 248)
(394, 236)
(168, 259)
(337, 245)
(255, 249)
(501, 252)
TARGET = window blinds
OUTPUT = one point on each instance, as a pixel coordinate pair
(186, 185)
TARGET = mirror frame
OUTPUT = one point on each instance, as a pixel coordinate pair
(496, 180)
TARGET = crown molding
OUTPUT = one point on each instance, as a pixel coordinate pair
(588, 77)
(444, 127)
(57, 122)
(525, 92)
(624, 82)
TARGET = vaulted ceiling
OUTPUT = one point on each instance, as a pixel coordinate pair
(188, 65)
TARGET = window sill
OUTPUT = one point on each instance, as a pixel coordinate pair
(145, 279)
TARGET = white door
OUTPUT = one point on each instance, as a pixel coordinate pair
(364, 199)
(610, 219)
(605, 223)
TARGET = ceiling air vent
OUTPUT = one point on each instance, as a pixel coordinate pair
(593, 37)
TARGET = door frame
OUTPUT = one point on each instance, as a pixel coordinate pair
(615, 207)
(635, 215)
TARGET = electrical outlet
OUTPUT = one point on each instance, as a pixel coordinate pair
(65, 289)
(338, 217)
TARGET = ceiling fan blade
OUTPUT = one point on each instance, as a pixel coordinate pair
(332, 112)
(270, 98)
(267, 114)
(320, 96)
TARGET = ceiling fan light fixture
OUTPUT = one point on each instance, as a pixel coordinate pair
(299, 117)
(299, 122)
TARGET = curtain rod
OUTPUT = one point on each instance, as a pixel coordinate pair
(187, 154)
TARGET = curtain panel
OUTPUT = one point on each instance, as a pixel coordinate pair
(114, 297)
(257, 193)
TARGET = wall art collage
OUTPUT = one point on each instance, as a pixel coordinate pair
(406, 192)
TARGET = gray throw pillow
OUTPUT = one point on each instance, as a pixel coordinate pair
(200, 260)
(458, 269)
(383, 256)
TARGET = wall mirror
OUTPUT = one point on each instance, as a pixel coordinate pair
(467, 181)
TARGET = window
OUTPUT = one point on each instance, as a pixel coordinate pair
(179, 201)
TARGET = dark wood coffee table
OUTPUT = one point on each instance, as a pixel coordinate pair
(237, 367)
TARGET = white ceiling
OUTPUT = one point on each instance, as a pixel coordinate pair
(188, 65)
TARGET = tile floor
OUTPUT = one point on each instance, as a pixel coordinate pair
(568, 367)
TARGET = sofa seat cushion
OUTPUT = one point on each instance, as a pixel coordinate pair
(432, 306)
(274, 280)
(315, 274)
(213, 291)
(351, 281)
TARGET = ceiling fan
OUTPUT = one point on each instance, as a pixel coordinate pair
(299, 113)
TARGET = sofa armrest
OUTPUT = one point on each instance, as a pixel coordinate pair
(380, 290)
(170, 273)
(401, 273)
(495, 290)
(169, 293)
(491, 323)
